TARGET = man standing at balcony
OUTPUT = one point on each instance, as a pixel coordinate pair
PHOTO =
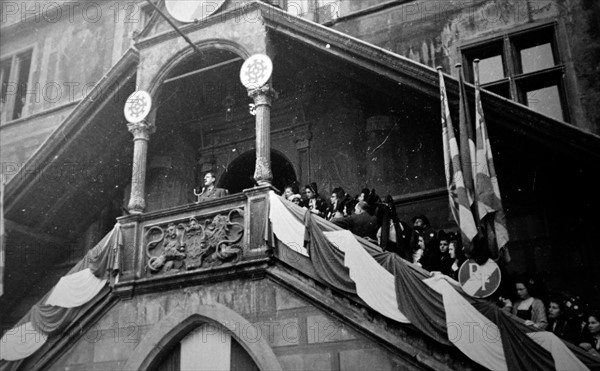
(209, 191)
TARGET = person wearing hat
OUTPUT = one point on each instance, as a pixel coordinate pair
(420, 223)
(314, 202)
(297, 199)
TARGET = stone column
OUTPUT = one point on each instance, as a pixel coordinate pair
(141, 135)
(263, 97)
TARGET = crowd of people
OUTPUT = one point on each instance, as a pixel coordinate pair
(365, 215)
(567, 316)
(368, 216)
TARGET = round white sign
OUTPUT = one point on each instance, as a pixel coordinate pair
(187, 11)
(138, 106)
(479, 281)
(256, 71)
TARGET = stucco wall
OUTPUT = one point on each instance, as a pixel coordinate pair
(74, 44)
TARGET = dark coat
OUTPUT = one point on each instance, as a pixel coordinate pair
(362, 225)
(213, 193)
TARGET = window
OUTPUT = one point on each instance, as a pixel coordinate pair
(146, 12)
(14, 74)
(524, 66)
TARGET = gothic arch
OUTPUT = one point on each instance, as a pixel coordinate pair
(189, 53)
(240, 171)
(174, 327)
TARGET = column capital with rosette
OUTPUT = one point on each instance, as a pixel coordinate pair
(263, 95)
(141, 130)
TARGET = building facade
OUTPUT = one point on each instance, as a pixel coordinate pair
(355, 103)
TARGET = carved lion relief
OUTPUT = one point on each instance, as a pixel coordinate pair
(211, 242)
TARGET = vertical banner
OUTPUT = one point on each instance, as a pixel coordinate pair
(459, 199)
(487, 190)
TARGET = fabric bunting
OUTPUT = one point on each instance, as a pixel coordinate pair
(489, 200)
(327, 259)
(460, 204)
(21, 341)
(436, 305)
(290, 227)
(423, 306)
(477, 337)
(374, 284)
(76, 291)
(563, 358)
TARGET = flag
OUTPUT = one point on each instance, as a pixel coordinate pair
(457, 193)
(467, 142)
(2, 233)
(487, 191)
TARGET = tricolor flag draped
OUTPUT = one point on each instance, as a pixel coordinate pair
(455, 181)
(489, 201)
(404, 293)
(2, 232)
(467, 143)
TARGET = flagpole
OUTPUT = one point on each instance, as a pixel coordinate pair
(487, 230)
(467, 142)
(457, 192)
(487, 190)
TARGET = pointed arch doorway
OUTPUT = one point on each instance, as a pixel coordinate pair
(207, 348)
(240, 172)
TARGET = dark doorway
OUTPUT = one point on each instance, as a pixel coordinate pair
(240, 173)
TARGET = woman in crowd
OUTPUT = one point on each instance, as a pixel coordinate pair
(289, 191)
(558, 321)
(314, 202)
(528, 308)
(457, 256)
(591, 341)
(297, 199)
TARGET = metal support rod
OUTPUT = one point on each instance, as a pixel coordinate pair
(202, 70)
(175, 27)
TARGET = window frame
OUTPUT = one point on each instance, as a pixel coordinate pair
(516, 83)
(15, 70)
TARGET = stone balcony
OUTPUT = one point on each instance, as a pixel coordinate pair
(193, 243)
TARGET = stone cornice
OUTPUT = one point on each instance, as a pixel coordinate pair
(254, 268)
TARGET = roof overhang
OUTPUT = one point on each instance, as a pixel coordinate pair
(514, 116)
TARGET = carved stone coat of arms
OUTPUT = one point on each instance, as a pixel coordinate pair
(211, 242)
